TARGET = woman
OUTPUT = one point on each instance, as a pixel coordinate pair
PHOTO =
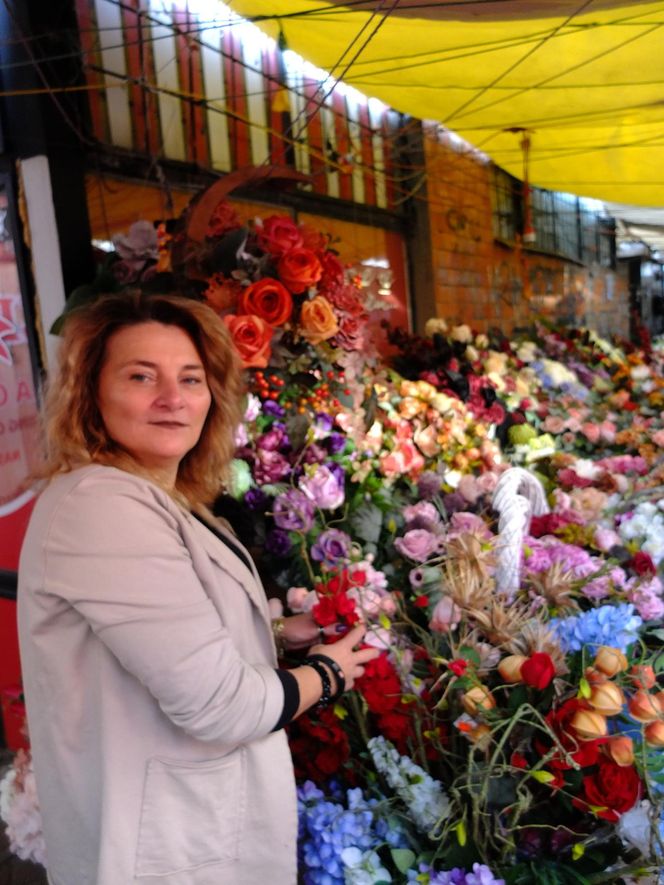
(155, 704)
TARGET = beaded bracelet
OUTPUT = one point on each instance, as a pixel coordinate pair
(326, 696)
(335, 668)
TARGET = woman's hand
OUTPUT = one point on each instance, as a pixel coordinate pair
(301, 631)
(344, 654)
(350, 660)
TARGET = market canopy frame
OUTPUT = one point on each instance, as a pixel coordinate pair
(583, 80)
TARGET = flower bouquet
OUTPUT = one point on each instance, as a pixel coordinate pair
(510, 729)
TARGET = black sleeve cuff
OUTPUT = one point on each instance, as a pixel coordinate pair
(291, 698)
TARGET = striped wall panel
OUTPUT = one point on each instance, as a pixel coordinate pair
(215, 92)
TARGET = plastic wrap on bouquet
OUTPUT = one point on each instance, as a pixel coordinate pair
(517, 498)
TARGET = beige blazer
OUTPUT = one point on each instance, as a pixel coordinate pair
(148, 666)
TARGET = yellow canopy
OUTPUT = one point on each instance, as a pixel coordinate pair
(585, 81)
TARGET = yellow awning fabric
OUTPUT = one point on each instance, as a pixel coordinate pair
(587, 83)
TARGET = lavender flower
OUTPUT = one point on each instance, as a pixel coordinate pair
(323, 488)
(480, 875)
(331, 546)
(293, 511)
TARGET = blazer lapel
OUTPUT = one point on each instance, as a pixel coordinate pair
(229, 561)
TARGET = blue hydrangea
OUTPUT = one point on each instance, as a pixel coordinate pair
(614, 625)
(328, 829)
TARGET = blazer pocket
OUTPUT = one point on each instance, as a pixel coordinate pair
(192, 814)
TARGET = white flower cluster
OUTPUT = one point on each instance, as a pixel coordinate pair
(426, 801)
(19, 809)
(647, 523)
(363, 868)
(559, 373)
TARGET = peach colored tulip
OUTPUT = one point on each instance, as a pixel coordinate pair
(643, 676)
(654, 733)
(510, 668)
(621, 750)
(588, 725)
(607, 698)
(644, 707)
(610, 660)
(477, 698)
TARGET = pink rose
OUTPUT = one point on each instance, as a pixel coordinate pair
(590, 431)
(605, 539)
(553, 424)
(299, 599)
(446, 616)
(417, 544)
(403, 459)
(607, 430)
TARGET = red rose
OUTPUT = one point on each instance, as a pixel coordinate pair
(333, 271)
(223, 219)
(346, 300)
(538, 670)
(642, 564)
(267, 299)
(614, 788)
(585, 753)
(251, 336)
(299, 269)
(279, 234)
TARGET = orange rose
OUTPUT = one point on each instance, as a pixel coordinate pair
(318, 320)
(299, 269)
(267, 299)
(251, 336)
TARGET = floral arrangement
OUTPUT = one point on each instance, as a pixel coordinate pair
(510, 731)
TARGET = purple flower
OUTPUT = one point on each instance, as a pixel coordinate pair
(323, 488)
(270, 467)
(454, 501)
(274, 439)
(428, 485)
(337, 471)
(256, 499)
(336, 442)
(278, 542)
(270, 407)
(293, 511)
(331, 546)
(314, 454)
(323, 422)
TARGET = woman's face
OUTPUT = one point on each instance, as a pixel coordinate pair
(153, 395)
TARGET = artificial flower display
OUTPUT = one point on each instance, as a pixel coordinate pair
(510, 732)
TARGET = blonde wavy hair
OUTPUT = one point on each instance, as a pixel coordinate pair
(74, 428)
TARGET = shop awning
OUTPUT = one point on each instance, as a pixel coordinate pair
(584, 80)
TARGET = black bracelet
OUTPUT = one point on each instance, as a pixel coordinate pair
(335, 668)
(326, 696)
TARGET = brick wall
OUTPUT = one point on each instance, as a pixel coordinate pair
(485, 283)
